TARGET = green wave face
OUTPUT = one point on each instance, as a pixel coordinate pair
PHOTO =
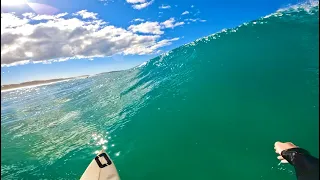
(211, 109)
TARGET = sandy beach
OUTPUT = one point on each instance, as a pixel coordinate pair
(10, 87)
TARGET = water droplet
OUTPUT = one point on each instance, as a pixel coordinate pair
(117, 154)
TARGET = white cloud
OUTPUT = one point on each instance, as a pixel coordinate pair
(139, 4)
(163, 43)
(154, 27)
(186, 12)
(165, 7)
(178, 24)
(33, 16)
(136, 1)
(170, 23)
(59, 38)
(11, 21)
(153, 48)
(195, 20)
(138, 20)
(146, 27)
(86, 15)
(27, 15)
(106, 2)
(192, 20)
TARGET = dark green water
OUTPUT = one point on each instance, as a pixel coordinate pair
(211, 109)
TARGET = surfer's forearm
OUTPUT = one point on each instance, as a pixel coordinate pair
(306, 166)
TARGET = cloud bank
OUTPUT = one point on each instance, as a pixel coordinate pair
(48, 38)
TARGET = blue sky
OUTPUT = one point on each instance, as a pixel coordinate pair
(44, 39)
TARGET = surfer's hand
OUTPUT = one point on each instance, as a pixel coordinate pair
(280, 146)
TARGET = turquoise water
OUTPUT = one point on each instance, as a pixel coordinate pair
(211, 109)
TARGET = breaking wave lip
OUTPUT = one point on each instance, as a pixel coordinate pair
(142, 64)
(306, 6)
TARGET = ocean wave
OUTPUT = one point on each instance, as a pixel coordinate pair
(239, 82)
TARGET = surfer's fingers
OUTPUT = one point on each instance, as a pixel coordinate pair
(284, 161)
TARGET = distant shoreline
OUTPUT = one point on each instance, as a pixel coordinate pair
(36, 83)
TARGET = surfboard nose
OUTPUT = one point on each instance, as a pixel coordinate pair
(101, 168)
